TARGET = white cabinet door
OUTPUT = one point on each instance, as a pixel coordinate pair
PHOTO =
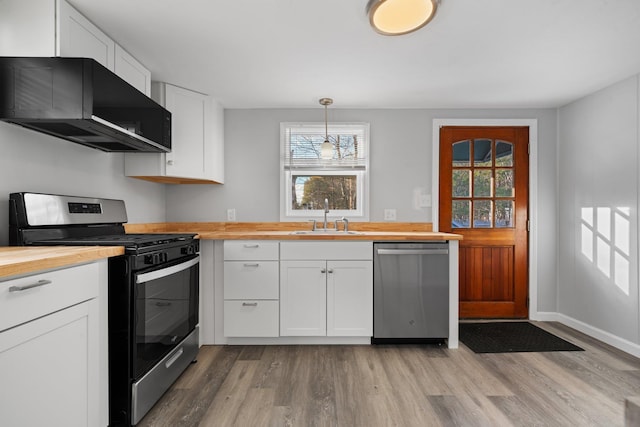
(303, 298)
(188, 114)
(49, 372)
(350, 298)
(28, 28)
(132, 71)
(197, 143)
(78, 37)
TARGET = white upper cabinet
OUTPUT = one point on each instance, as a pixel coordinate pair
(197, 150)
(78, 37)
(132, 71)
(28, 28)
(55, 28)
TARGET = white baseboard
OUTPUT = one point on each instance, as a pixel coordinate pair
(545, 316)
(604, 336)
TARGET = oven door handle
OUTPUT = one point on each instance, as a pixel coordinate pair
(159, 274)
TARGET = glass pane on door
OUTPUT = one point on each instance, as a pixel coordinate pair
(482, 152)
(461, 154)
(482, 183)
(460, 213)
(482, 215)
(504, 214)
(504, 153)
(504, 183)
(461, 183)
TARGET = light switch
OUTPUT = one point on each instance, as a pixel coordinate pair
(425, 200)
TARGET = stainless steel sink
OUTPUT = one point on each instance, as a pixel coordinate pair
(326, 232)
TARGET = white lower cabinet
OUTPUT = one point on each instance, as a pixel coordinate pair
(251, 306)
(298, 289)
(50, 363)
(303, 298)
(251, 318)
(326, 289)
(350, 298)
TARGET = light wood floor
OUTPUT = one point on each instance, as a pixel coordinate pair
(401, 386)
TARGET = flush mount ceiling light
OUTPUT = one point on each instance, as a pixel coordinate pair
(397, 17)
(326, 149)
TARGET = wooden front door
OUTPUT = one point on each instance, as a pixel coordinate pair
(484, 194)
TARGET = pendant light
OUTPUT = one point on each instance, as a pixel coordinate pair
(397, 17)
(326, 149)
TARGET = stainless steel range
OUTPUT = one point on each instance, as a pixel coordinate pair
(153, 292)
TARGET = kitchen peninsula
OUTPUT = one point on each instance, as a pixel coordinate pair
(213, 236)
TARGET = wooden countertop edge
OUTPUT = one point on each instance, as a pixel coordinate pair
(200, 227)
(20, 260)
(364, 236)
(282, 231)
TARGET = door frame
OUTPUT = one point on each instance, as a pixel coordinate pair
(532, 124)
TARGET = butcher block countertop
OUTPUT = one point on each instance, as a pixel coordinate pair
(286, 231)
(20, 260)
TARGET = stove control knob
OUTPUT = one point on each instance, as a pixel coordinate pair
(152, 259)
(188, 250)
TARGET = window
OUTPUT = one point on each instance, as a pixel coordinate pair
(308, 179)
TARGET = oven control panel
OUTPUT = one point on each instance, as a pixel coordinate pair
(167, 254)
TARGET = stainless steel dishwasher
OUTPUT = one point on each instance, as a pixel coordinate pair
(411, 292)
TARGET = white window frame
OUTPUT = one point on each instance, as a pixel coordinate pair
(361, 213)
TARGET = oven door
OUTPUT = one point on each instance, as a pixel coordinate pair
(165, 312)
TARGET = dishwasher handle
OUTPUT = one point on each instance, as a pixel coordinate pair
(413, 251)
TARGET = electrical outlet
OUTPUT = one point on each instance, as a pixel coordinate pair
(389, 214)
(231, 214)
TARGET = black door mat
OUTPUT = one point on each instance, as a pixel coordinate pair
(508, 337)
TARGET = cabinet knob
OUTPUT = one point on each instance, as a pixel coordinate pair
(324, 270)
(170, 162)
(330, 271)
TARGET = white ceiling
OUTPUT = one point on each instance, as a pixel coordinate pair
(290, 53)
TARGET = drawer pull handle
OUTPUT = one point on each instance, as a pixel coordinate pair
(174, 358)
(249, 304)
(33, 285)
(163, 303)
(252, 265)
(251, 246)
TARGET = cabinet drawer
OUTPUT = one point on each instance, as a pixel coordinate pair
(251, 318)
(251, 280)
(237, 250)
(54, 291)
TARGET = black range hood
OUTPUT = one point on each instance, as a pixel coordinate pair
(82, 101)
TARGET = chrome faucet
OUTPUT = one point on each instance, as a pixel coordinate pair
(326, 211)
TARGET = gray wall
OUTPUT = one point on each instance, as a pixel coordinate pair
(401, 160)
(598, 168)
(31, 161)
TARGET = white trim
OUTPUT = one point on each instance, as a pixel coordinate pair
(452, 341)
(300, 341)
(533, 189)
(362, 212)
(604, 336)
